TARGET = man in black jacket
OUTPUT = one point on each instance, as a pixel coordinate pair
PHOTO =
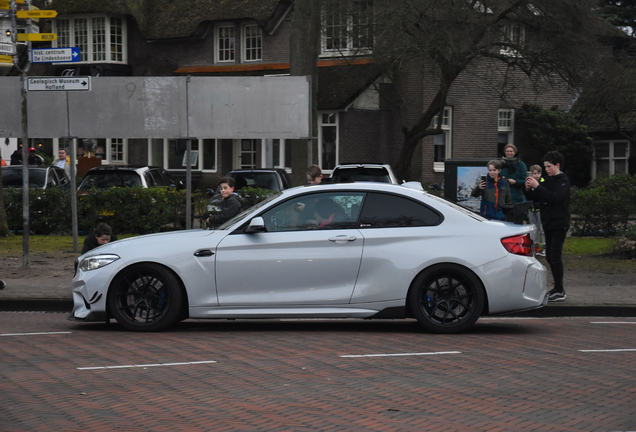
(554, 198)
(231, 204)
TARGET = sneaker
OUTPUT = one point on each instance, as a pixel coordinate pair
(556, 296)
(541, 253)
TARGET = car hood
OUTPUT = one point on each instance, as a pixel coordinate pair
(160, 242)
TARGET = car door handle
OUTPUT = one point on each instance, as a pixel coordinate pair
(203, 253)
(342, 238)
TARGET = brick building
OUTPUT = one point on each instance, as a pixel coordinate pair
(357, 116)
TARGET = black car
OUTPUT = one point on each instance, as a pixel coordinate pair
(39, 177)
(275, 179)
(103, 177)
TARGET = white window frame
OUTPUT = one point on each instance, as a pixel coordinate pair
(513, 33)
(447, 128)
(244, 39)
(611, 157)
(88, 54)
(328, 116)
(348, 30)
(200, 159)
(217, 44)
(506, 124)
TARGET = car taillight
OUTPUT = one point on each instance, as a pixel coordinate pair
(518, 245)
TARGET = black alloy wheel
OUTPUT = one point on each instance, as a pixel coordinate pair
(447, 298)
(145, 297)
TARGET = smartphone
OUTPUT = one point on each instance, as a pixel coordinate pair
(483, 178)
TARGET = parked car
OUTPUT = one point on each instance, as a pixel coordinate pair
(381, 251)
(382, 173)
(39, 177)
(106, 176)
(275, 179)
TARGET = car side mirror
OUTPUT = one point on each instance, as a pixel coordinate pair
(256, 225)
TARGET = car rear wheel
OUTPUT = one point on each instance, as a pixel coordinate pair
(447, 298)
(145, 297)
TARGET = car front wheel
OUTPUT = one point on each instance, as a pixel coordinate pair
(447, 298)
(145, 297)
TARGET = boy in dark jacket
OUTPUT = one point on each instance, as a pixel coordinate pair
(231, 204)
(494, 192)
(553, 196)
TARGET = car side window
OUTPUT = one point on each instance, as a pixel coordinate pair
(315, 211)
(388, 211)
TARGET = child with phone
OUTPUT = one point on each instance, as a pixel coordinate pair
(494, 192)
(534, 215)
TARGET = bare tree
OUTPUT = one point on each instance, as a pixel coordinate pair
(545, 40)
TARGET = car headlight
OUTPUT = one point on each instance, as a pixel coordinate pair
(97, 261)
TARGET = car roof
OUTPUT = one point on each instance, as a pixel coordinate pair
(123, 167)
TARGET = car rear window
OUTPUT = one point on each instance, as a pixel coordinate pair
(263, 180)
(106, 179)
(13, 177)
(360, 174)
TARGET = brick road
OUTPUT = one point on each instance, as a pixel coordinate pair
(504, 375)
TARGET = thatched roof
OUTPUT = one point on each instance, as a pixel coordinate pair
(170, 19)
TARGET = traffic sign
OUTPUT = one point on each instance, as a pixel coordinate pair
(55, 55)
(6, 48)
(6, 59)
(58, 83)
(6, 4)
(22, 37)
(36, 14)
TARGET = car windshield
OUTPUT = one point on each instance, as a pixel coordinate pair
(239, 217)
(263, 180)
(106, 179)
(358, 174)
(13, 177)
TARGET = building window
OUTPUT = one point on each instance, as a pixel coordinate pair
(610, 157)
(328, 140)
(225, 44)
(505, 129)
(117, 152)
(252, 43)
(442, 143)
(281, 154)
(170, 154)
(512, 37)
(346, 27)
(101, 39)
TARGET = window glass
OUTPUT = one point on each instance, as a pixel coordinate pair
(99, 39)
(253, 42)
(315, 211)
(386, 211)
(226, 44)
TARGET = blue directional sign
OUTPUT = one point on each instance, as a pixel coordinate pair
(55, 55)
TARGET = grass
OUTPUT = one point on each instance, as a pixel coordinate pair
(12, 245)
(588, 246)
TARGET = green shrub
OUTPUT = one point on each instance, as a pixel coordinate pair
(127, 210)
(252, 196)
(604, 207)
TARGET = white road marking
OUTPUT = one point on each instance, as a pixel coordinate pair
(609, 350)
(145, 365)
(33, 334)
(613, 322)
(401, 354)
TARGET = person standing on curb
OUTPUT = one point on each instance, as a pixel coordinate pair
(514, 171)
(553, 196)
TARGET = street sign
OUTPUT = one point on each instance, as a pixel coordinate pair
(22, 37)
(6, 48)
(36, 14)
(55, 55)
(6, 59)
(6, 4)
(58, 83)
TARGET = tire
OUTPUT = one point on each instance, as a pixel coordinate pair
(447, 298)
(145, 298)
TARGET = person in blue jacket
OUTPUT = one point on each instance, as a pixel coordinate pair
(494, 192)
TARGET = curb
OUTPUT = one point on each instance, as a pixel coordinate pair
(36, 305)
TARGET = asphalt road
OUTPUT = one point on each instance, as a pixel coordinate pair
(506, 374)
